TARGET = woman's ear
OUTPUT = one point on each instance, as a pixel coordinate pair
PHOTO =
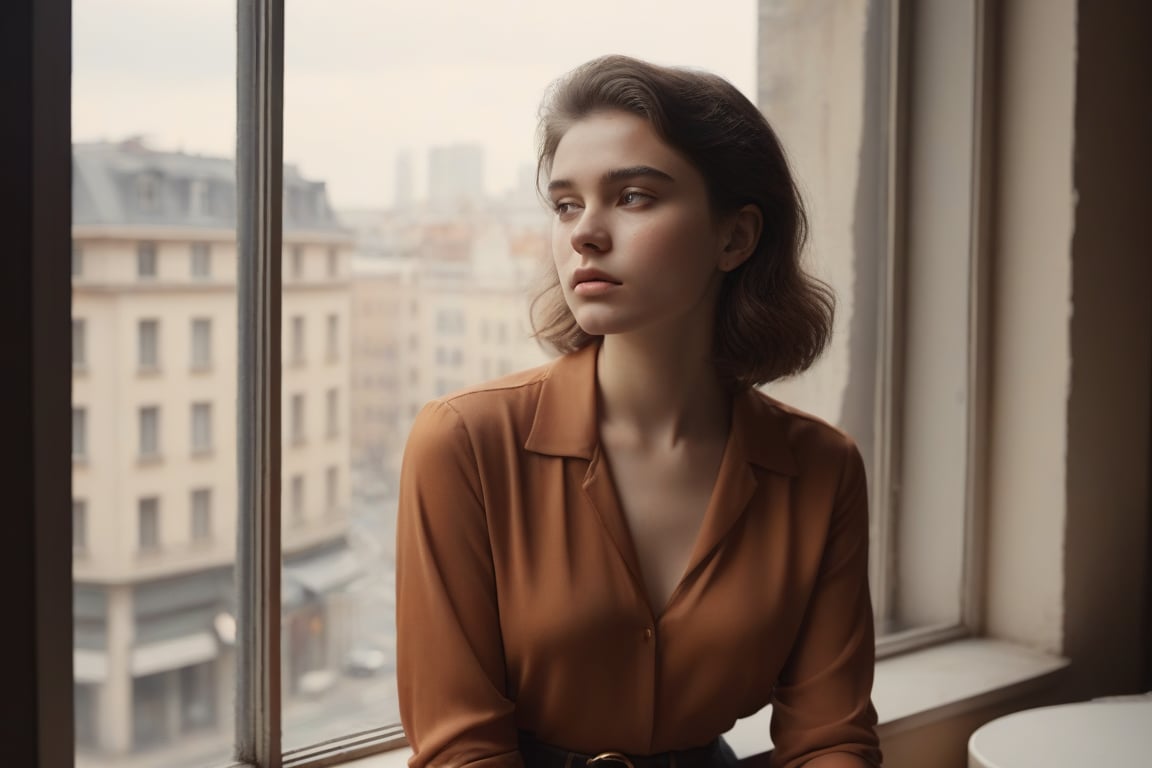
(741, 236)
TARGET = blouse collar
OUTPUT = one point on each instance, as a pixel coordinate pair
(566, 417)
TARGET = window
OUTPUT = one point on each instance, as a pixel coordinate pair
(154, 220)
(79, 526)
(79, 344)
(148, 530)
(201, 505)
(298, 426)
(297, 499)
(333, 411)
(148, 345)
(298, 340)
(201, 262)
(149, 432)
(333, 347)
(451, 322)
(148, 192)
(79, 433)
(441, 303)
(201, 343)
(201, 428)
(146, 260)
(297, 253)
(332, 489)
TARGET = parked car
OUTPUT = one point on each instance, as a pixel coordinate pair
(365, 661)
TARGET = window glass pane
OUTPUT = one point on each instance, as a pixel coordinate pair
(822, 83)
(438, 246)
(154, 390)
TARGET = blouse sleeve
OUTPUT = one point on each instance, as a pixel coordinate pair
(450, 659)
(822, 702)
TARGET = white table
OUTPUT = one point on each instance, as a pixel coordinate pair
(1109, 732)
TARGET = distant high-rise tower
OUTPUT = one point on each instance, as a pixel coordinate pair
(455, 175)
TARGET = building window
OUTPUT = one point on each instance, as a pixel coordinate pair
(79, 526)
(332, 489)
(146, 260)
(79, 344)
(201, 428)
(148, 345)
(201, 266)
(298, 435)
(297, 254)
(201, 505)
(333, 345)
(149, 432)
(297, 499)
(77, 260)
(201, 343)
(297, 339)
(333, 411)
(79, 433)
(451, 322)
(333, 262)
(148, 192)
(148, 530)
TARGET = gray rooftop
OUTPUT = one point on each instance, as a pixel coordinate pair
(128, 184)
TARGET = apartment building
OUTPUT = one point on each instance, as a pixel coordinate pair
(439, 303)
(154, 409)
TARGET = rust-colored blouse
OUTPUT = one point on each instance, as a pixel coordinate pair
(520, 603)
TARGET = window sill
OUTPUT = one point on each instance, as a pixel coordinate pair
(911, 690)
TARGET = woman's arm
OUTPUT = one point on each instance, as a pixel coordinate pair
(822, 712)
(450, 657)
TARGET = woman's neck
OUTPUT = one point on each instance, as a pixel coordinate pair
(657, 393)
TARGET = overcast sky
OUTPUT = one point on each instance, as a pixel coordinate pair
(367, 79)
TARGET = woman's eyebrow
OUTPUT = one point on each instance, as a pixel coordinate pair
(617, 174)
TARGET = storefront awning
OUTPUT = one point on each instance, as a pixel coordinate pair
(323, 573)
(178, 652)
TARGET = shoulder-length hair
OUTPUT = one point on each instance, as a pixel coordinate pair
(772, 319)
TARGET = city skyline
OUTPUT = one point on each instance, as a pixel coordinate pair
(383, 85)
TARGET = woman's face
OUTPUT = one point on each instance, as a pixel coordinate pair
(635, 242)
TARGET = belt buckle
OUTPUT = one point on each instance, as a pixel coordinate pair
(615, 757)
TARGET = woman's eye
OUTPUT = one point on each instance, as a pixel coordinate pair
(632, 198)
(563, 209)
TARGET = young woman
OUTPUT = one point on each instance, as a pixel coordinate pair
(608, 560)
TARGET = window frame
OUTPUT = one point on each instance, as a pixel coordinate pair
(911, 22)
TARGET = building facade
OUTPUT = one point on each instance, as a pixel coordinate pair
(154, 416)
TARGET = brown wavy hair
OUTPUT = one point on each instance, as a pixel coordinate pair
(772, 319)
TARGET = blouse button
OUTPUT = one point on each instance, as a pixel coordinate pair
(647, 634)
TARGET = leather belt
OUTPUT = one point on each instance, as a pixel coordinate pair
(537, 754)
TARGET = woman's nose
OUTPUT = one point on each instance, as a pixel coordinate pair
(590, 233)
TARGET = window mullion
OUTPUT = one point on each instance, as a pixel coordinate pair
(259, 163)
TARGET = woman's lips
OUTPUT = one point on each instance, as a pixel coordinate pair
(595, 287)
(589, 281)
